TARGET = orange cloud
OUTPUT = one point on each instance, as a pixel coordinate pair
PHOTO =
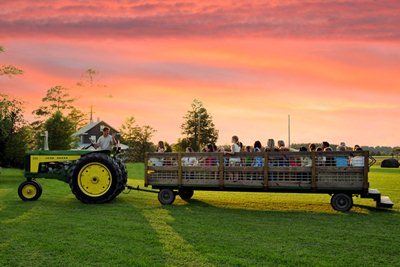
(250, 64)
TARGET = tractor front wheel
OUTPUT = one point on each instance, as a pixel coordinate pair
(29, 190)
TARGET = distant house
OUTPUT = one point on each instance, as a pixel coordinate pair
(91, 133)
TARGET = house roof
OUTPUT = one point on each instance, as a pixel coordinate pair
(90, 126)
(86, 128)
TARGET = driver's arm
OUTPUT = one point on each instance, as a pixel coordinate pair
(113, 139)
(96, 145)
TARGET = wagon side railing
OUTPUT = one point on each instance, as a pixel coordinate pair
(299, 170)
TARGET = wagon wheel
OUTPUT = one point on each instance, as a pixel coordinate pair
(166, 196)
(342, 202)
(185, 193)
(96, 179)
(29, 190)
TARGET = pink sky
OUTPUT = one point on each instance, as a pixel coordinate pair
(333, 65)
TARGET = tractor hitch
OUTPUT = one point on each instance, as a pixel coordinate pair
(137, 188)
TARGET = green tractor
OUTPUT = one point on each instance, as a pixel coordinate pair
(93, 176)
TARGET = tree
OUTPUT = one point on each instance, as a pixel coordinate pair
(60, 129)
(14, 132)
(89, 78)
(57, 99)
(79, 118)
(138, 138)
(15, 136)
(198, 127)
(181, 145)
(9, 70)
(16, 147)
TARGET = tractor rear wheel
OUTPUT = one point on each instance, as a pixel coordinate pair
(96, 178)
(166, 196)
(124, 174)
(29, 190)
(185, 193)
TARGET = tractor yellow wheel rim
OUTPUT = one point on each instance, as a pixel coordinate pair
(94, 179)
(29, 191)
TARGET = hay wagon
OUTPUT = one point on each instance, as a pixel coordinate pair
(340, 174)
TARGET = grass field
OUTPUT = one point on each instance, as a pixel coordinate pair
(214, 229)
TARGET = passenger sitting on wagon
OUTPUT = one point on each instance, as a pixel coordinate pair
(341, 161)
(325, 145)
(241, 146)
(295, 161)
(281, 145)
(210, 160)
(248, 161)
(270, 145)
(158, 162)
(283, 161)
(312, 147)
(357, 161)
(329, 160)
(320, 159)
(305, 161)
(234, 161)
(342, 144)
(189, 161)
(226, 160)
(258, 161)
(161, 147)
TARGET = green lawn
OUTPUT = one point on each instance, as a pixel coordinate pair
(215, 228)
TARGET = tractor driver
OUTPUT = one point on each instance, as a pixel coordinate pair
(106, 141)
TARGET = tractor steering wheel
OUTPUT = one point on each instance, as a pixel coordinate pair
(87, 147)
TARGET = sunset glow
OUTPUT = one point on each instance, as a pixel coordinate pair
(333, 65)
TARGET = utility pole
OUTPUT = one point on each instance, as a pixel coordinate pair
(289, 131)
(199, 134)
(91, 114)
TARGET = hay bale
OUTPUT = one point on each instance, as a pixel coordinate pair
(390, 163)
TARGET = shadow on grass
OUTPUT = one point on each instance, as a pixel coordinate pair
(243, 232)
(376, 209)
(13, 209)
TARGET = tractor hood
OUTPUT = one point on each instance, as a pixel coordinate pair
(65, 152)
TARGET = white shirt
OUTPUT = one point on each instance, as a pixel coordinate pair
(235, 160)
(236, 148)
(357, 161)
(105, 143)
(189, 161)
